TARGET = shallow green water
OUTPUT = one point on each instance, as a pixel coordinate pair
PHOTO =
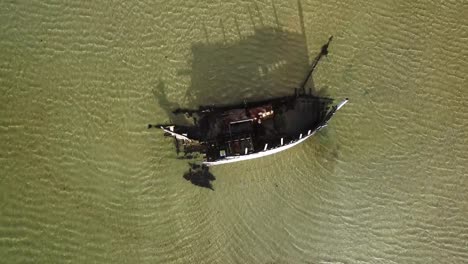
(82, 180)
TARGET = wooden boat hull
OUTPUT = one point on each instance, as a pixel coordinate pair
(268, 152)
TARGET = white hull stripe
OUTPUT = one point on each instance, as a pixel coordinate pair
(230, 159)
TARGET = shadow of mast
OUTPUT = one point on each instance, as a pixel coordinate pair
(269, 63)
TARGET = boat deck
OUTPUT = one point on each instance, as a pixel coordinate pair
(250, 130)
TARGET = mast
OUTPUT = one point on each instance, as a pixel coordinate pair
(323, 52)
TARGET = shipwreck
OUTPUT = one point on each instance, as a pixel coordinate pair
(248, 130)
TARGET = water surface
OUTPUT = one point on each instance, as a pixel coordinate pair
(82, 180)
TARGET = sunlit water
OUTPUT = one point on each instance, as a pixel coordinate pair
(83, 180)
